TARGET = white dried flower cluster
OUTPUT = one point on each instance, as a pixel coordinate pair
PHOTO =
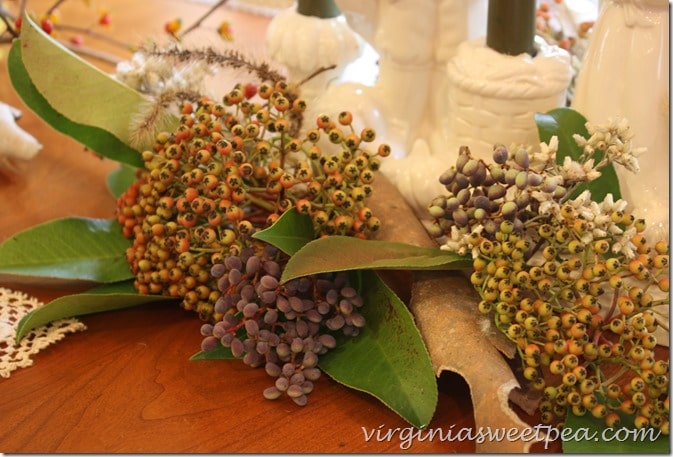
(614, 138)
(458, 241)
(155, 75)
(572, 170)
(542, 159)
(598, 217)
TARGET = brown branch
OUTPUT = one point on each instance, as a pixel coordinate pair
(198, 22)
(53, 7)
(94, 34)
(93, 53)
(316, 73)
(4, 15)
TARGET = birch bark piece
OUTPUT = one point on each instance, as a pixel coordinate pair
(459, 340)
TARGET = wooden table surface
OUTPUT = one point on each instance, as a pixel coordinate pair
(126, 384)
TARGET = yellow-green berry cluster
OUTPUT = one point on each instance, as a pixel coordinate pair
(573, 283)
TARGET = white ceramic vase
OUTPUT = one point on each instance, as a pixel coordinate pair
(625, 73)
(493, 97)
(304, 44)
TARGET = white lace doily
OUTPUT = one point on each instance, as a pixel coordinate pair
(13, 306)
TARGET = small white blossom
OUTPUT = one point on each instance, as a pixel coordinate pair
(547, 202)
(608, 205)
(580, 140)
(458, 242)
(579, 172)
(614, 138)
(624, 244)
(546, 155)
(581, 200)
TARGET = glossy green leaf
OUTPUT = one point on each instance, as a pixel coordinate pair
(587, 435)
(388, 359)
(95, 138)
(343, 253)
(564, 122)
(289, 233)
(106, 297)
(78, 90)
(68, 248)
(120, 179)
(219, 353)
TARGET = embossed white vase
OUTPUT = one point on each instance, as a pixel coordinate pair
(303, 44)
(493, 97)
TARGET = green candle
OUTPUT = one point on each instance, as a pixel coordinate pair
(323, 9)
(511, 26)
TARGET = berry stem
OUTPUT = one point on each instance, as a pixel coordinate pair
(200, 20)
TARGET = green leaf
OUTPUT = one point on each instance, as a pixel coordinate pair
(564, 122)
(76, 89)
(120, 179)
(95, 138)
(106, 297)
(588, 435)
(388, 359)
(68, 248)
(342, 253)
(219, 353)
(289, 233)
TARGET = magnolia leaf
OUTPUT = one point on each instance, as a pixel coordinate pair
(95, 138)
(219, 353)
(106, 297)
(564, 122)
(120, 179)
(460, 340)
(457, 336)
(342, 253)
(289, 233)
(110, 104)
(588, 435)
(68, 248)
(388, 359)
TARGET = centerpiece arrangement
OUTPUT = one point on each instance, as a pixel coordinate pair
(274, 227)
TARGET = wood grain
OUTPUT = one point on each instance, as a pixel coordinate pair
(126, 384)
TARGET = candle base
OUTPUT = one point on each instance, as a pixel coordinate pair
(493, 97)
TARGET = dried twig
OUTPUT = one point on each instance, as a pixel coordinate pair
(198, 22)
(53, 7)
(229, 58)
(94, 34)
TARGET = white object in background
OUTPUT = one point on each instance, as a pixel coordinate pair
(15, 143)
(493, 97)
(304, 44)
(406, 105)
(415, 40)
(625, 73)
(416, 176)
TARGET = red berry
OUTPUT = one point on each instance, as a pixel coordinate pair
(47, 26)
(250, 90)
(77, 40)
(105, 19)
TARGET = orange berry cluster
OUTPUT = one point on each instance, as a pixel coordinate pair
(231, 168)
